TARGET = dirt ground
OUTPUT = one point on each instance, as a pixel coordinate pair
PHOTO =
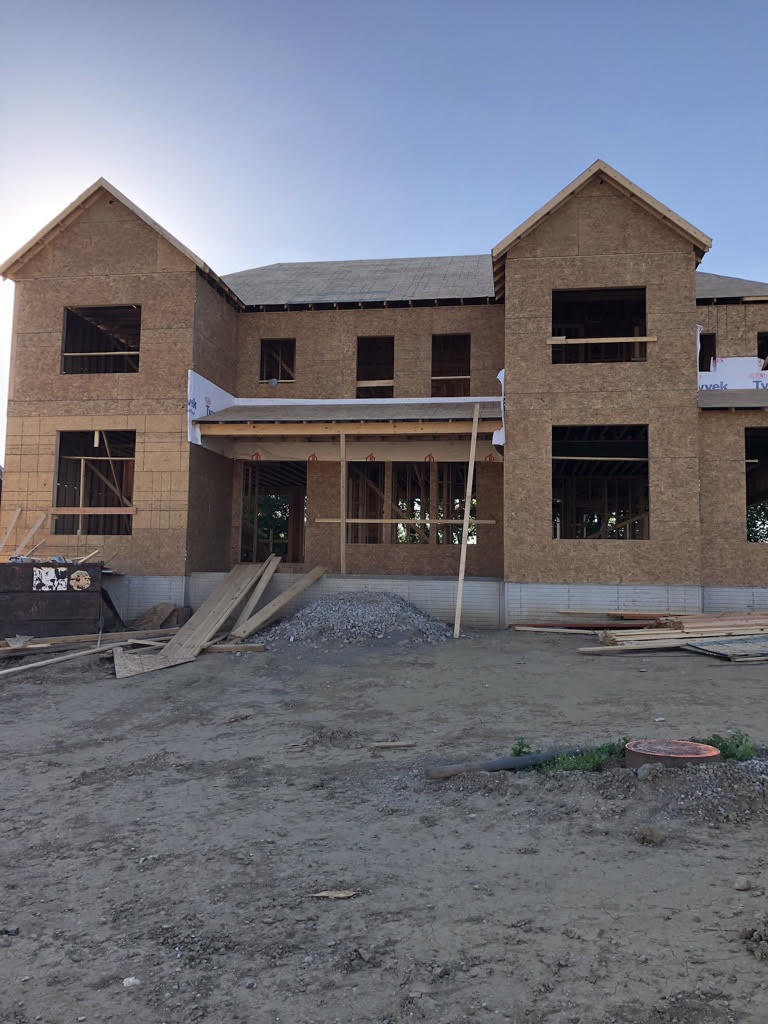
(172, 829)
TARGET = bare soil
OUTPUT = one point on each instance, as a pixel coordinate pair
(173, 828)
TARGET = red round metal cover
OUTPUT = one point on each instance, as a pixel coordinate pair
(669, 752)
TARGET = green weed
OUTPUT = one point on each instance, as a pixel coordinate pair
(736, 747)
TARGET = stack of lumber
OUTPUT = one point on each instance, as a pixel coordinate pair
(673, 630)
(235, 600)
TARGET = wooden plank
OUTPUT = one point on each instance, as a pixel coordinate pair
(411, 522)
(9, 528)
(261, 618)
(84, 638)
(599, 341)
(79, 510)
(659, 645)
(59, 658)
(233, 648)
(30, 533)
(199, 630)
(553, 629)
(378, 427)
(343, 504)
(268, 570)
(465, 531)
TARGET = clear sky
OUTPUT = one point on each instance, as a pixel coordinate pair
(296, 130)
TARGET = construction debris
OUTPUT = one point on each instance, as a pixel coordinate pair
(358, 617)
(693, 632)
(241, 630)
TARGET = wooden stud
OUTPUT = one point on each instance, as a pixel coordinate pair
(268, 569)
(465, 531)
(343, 504)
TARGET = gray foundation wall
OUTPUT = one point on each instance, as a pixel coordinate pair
(488, 603)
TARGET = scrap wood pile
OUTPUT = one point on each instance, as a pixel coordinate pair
(736, 636)
(230, 615)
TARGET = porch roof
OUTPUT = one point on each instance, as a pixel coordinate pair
(358, 411)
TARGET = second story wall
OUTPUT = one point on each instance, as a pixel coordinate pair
(326, 348)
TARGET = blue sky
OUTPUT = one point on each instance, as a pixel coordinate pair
(264, 131)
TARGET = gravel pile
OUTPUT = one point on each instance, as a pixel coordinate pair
(360, 617)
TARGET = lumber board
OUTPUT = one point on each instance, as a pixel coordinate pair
(30, 533)
(192, 637)
(58, 658)
(659, 645)
(262, 617)
(84, 638)
(465, 529)
(379, 428)
(266, 573)
(554, 629)
(234, 649)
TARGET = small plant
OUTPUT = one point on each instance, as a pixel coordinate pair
(520, 747)
(594, 760)
(736, 747)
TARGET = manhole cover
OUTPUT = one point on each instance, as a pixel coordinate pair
(669, 752)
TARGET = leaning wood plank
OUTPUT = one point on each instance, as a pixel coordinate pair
(57, 659)
(262, 617)
(30, 533)
(9, 529)
(86, 638)
(214, 611)
(268, 570)
(192, 637)
(465, 530)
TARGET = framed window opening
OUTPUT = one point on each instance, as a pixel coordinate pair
(707, 351)
(756, 480)
(375, 367)
(599, 325)
(278, 359)
(451, 365)
(101, 339)
(94, 482)
(600, 485)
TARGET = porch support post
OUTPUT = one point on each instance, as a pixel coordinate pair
(343, 503)
(465, 530)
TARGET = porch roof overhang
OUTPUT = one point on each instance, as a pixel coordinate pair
(379, 417)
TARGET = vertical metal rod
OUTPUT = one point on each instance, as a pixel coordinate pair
(465, 530)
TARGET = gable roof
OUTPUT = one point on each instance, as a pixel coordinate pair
(352, 281)
(700, 241)
(75, 209)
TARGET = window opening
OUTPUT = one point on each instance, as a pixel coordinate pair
(410, 496)
(95, 471)
(375, 367)
(756, 475)
(450, 365)
(707, 351)
(599, 313)
(762, 346)
(101, 339)
(600, 483)
(278, 359)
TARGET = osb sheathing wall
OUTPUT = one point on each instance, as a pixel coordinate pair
(106, 256)
(322, 542)
(210, 511)
(736, 326)
(326, 348)
(727, 557)
(601, 239)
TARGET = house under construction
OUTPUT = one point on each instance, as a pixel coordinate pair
(181, 422)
